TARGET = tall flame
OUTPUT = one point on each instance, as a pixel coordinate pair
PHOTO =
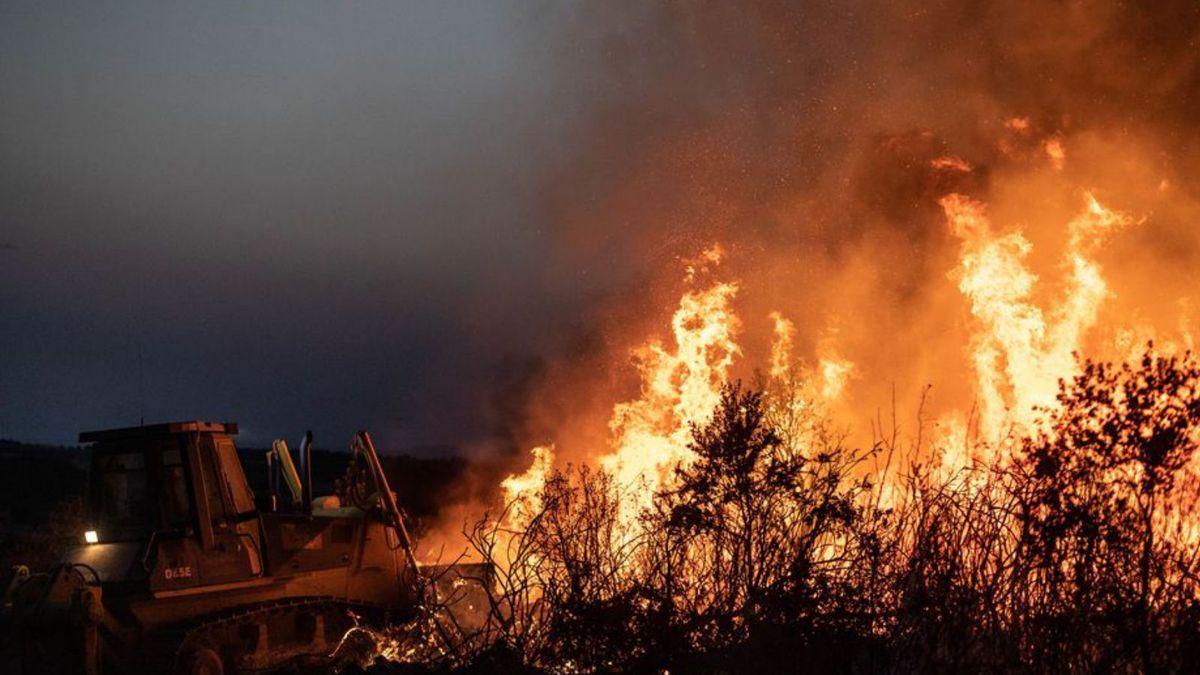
(781, 346)
(523, 491)
(681, 386)
(1018, 352)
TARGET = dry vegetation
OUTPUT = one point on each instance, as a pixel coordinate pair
(773, 553)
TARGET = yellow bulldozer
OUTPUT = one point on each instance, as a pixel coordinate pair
(182, 569)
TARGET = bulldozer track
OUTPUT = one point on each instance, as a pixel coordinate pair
(212, 631)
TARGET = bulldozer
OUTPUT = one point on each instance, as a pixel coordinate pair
(183, 569)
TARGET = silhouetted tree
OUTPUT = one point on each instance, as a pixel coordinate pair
(771, 550)
(1101, 486)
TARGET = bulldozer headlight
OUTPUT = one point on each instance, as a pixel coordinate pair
(91, 537)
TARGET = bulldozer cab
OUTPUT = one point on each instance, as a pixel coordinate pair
(176, 493)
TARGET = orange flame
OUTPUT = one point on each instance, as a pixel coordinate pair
(1018, 352)
(680, 387)
(522, 492)
(681, 384)
(781, 346)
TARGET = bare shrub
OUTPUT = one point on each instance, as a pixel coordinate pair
(1108, 515)
(774, 551)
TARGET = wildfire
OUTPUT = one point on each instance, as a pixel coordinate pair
(522, 492)
(681, 385)
(1019, 352)
(1019, 346)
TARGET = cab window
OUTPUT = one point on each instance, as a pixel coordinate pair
(174, 498)
(241, 500)
(123, 498)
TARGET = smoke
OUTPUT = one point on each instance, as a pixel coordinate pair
(813, 141)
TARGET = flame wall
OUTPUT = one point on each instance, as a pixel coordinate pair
(817, 145)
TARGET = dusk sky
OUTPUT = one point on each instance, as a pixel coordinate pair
(324, 217)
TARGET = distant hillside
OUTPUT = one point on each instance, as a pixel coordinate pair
(35, 478)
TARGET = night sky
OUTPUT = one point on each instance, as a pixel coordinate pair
(292, 215)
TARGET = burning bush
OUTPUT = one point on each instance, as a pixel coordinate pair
(1107, 508)
(774, 549)
(752, 542)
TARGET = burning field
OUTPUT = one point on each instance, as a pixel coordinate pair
(907, 382)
